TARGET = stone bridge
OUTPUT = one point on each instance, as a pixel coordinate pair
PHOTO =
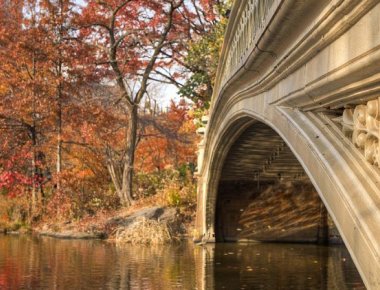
(295, 117)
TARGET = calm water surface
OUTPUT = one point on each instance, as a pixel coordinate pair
(28, 262)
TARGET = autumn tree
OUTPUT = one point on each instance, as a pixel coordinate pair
(196, 58)
(131, 37)
(62, 49)
(37, 76)
(25, 89)
(202, 54)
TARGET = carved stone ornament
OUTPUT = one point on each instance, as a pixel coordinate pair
(364, 121)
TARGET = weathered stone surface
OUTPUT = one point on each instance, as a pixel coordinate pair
(154, 213)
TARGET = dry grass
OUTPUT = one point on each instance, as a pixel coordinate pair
(146, 231)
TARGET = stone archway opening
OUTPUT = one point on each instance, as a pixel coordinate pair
(264, 194)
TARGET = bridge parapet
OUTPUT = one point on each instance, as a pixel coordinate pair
(249, 19)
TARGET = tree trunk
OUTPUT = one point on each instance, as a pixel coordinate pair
(121, 171)
(33, 136)
(59, 99)
(35, 199)
(130, 155)
(34, 183)
(59, 137)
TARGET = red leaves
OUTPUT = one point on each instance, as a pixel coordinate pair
(133, 29)
(13, 178)
(6, 179)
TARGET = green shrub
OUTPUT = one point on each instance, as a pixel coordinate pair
(173, 196)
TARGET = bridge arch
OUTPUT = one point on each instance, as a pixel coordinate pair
(331, 169)
(256, 159)
(312, 76)
(239, 123)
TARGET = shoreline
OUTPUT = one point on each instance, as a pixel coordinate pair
(167, 225)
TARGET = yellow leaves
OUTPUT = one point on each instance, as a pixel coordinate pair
(187, 127)
(3, 89)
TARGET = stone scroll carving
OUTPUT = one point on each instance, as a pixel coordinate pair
(364, 121)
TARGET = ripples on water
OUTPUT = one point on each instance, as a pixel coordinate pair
(29, 262)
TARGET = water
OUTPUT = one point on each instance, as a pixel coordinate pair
(29, 262)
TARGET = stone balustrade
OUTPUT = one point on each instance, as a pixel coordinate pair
(249, 22)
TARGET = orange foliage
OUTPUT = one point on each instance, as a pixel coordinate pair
(54, 99)
(169, 141)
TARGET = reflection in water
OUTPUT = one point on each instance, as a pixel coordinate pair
(28, 262)
(284, 266)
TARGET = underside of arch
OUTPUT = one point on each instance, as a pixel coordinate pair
(264, 193)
